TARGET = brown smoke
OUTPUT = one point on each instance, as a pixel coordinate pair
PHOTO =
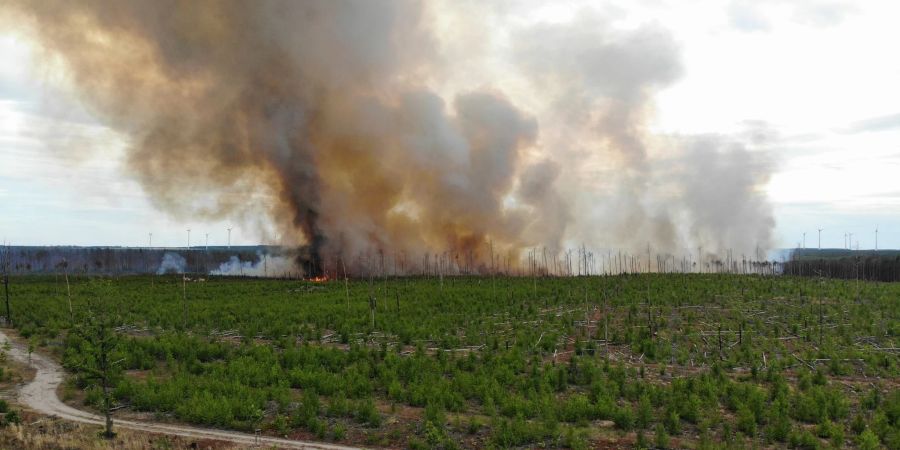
(317, 115)
(314, 102)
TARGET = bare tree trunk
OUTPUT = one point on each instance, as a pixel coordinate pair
(346, 283)
(104, 364)
(184, 299)
(6, 286)
(107, 411)
(69, 293)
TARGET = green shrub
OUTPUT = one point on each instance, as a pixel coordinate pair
(367, 413)
(867, 440)
(746, 421)
(93, 397)
(641, 440)
(576, 439)
(435, 414)
(892, 408)
(818, 404)
(644, 413)
(310, 405)
(837, 436)
(624, 418)
(12, 416)
(434, 435)
(803, 439)
(280, 424)
(474, 426)
(858, 424)
(577, 408)
(672, 422)
(339, 406)
(338, 432)
(779, 427)
(871, 400)
(662, 438)
(512, 433)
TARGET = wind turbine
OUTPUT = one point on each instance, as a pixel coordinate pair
(850, 241)
(150, 240)
(804, 240)
(820, 237)
(876, 238)
(229, 238)
(189, 239)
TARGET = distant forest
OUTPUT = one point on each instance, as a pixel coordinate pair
(23, 260)
(871, 265)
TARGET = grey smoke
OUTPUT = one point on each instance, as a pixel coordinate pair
(171, 263)
(317, 117)
(265, 265)
(719, 183)
(669, 192)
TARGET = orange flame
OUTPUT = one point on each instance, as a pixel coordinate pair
(321, 279)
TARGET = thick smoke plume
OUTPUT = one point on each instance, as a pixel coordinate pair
(318, 116)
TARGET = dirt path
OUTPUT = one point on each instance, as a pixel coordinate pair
(40, 395)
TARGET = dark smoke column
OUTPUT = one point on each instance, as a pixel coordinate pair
(312, 118)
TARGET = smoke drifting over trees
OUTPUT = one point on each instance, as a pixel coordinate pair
(322, 118)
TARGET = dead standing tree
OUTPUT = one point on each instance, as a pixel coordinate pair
(5, 261)
(346, 283)
(372, 300)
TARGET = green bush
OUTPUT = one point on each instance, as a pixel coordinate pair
(435, 414)
(512, 433)
(624, 418)
(746, 421)
(662, 438)
(280, 424)
(12, 416)
(415, 444)
(803, 439)
(338, 407)
(779, 427)
(338, 432)
(858, 424)
(576, 440)
(316, 427)
(367, 413)
(641, 441)
(672, 422)
(818, 404)
(644, 413)
(867, 440)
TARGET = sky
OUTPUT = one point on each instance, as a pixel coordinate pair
(811, 83)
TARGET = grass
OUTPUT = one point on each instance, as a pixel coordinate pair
(688, 360)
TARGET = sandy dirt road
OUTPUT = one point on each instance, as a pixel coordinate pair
(40, 395)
